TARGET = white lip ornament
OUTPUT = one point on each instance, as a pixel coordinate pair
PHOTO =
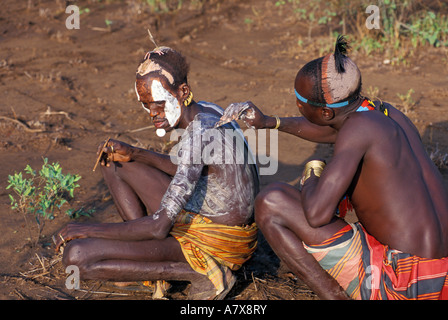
(172, 107)
(160, 132)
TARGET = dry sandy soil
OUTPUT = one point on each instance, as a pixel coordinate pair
(71, 89)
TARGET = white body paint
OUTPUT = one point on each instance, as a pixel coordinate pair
(172, 107)
(232, 185)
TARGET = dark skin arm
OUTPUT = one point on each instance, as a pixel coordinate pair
(119, 151)
(146, 228)
(297, 126)
(321, 195)
(302, 128)
(156, 226)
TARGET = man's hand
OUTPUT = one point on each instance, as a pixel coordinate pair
(70, 232)
(115, 151)
(246, 111)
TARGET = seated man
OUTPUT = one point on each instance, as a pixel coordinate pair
(186, 218)
(398, 249)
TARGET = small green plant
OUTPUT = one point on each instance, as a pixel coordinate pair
(429, 28)
(108, 22)
(407, 101)
(164, 6)
(248, 22)
(84, 10)
(314, 13)
(372, 92)
(405, 25)
(40, 193)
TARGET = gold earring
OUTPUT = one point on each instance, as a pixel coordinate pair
(188, 100)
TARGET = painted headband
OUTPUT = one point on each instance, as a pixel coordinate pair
(329, 105)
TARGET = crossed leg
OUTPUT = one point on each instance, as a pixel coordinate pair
(280, 217)
(137, 190)
(122, 261)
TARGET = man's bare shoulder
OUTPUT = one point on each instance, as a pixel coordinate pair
(372, 120)
(362, 131)
(362, 124)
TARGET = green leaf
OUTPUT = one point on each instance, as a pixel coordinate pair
(12, 199)
(61, 203)
(27, 192)
(30, 170)
(431, 15)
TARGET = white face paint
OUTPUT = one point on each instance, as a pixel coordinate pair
(136, 92)
(172, 107)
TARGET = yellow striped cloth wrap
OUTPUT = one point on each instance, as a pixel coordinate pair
(212, 249)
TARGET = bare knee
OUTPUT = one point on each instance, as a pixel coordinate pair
(75, 253)
(109, 171)
(267, 202)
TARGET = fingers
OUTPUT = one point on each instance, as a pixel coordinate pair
(237, 109)
(59, 240)
(110, 147)
(106, 145)
(248, 115)
(106, 159)
(70, 232)
(234, 111)
(115, 151)
(106, 152)
(110, 156)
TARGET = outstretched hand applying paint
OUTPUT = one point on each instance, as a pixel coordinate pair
(246, 111)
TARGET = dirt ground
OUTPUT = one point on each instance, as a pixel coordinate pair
(64, 91)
